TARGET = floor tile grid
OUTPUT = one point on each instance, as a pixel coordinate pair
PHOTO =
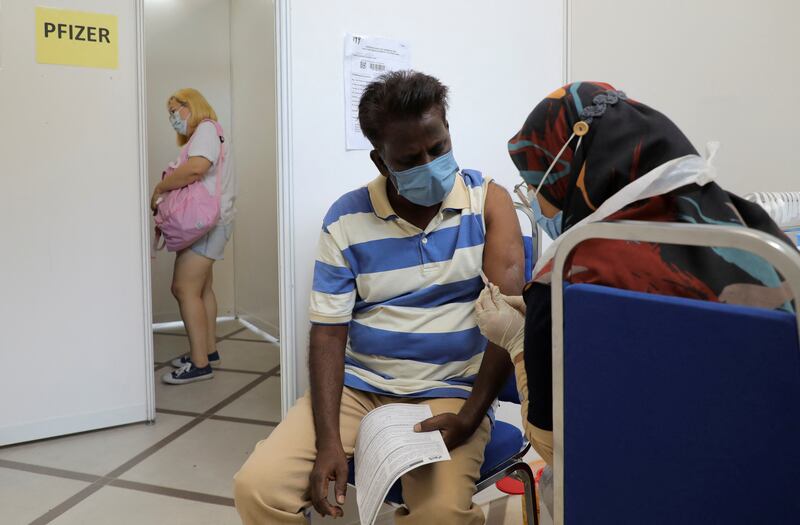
(265, 375)
(110, 479)
(218, 417)
(227, 337)
(218, 340)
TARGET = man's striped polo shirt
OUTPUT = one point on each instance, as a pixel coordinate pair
(407, 294)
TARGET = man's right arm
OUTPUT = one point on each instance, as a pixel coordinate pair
(333, 297)
(326, 368)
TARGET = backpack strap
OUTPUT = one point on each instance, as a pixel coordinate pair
(156, 247)
(220, 160)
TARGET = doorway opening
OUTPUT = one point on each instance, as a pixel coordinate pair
(226, 51)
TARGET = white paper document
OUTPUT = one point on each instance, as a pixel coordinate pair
(365, 59)
(386, 448)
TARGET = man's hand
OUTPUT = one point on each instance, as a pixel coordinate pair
(331, 465)
(456, 429)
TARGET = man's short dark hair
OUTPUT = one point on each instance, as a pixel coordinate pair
(398, 95)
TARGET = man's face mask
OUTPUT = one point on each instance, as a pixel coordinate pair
(429, 184)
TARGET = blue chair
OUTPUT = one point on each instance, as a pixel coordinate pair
(672, 410)
(531, 240)
(502, 457)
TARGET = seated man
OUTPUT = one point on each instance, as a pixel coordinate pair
(392, 312)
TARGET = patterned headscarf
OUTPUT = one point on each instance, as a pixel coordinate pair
(627, 139)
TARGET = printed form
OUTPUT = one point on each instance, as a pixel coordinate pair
(386, 448)
(365, 59)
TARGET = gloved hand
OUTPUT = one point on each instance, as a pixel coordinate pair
(514, 301)
(498, 321)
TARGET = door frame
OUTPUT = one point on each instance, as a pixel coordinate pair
(285, 207)
(283, 104)
(144, 199)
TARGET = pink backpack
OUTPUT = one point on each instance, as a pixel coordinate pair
(186, 214)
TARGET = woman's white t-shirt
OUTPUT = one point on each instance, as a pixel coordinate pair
(205, 143)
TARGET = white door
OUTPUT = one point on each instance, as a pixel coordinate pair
(75, 338)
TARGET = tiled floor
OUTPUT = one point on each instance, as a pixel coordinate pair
(178, 470)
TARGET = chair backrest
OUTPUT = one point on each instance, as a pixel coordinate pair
(509, 392)
(530, 238)
(678, 411)
(527, 245)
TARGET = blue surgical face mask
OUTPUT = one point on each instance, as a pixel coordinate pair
(428, 184)
(178, 124)
(550, 225)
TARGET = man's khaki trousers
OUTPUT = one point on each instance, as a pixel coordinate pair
(272, 487)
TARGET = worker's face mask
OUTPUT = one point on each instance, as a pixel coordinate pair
(178, 124)
(428, 184)
(550, 225)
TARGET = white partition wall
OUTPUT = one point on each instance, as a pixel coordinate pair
(499, 60)
(253, 94)
(74, 307)
(722, 70)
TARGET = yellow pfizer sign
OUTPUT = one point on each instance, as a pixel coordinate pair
(75, 38)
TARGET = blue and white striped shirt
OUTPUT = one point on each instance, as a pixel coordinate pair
(407, 294)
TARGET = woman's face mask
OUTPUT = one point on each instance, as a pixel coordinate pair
(429, 184)
(179, 124)
(550, 225)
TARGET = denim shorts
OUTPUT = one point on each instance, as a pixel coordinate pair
(212, 244)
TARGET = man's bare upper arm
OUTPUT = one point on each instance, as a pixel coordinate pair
(503, 253)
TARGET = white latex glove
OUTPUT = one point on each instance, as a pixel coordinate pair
(515, 301)
(498, 321)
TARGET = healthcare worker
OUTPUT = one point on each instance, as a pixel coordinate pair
(588, 153)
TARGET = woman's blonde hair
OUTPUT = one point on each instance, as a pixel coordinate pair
(198, 106)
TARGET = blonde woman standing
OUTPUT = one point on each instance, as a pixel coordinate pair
(190, 115)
